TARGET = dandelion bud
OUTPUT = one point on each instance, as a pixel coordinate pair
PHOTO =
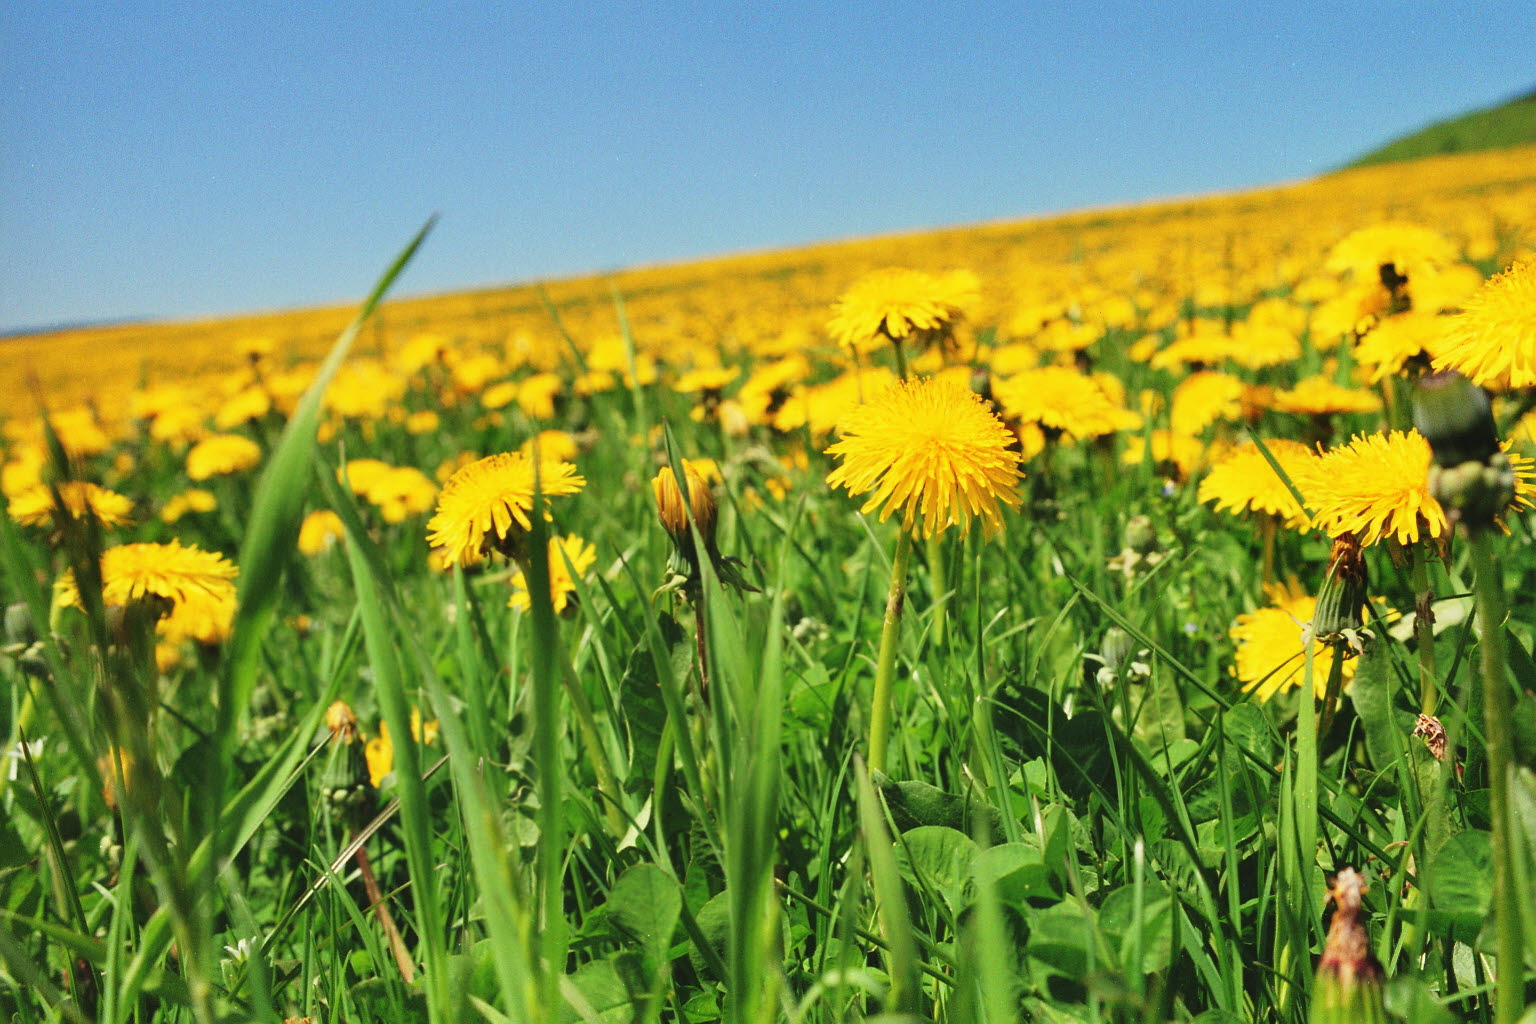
(341, 721)
(19, 627)
(1348, 985)
(1141, 535)
(1453, 414)
(1116, 647)
(1474, 493)
(1341, 601)
(673, 510)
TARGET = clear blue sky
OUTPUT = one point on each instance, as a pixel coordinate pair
(199, 158)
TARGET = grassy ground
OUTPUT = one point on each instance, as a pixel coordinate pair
(654, 804)
(1508, 124)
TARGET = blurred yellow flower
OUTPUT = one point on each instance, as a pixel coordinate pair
(192, 500)
(221, 455)
(1271, 645)
(1244, 481)
(320, 530)
(196, 587)
(379, 752)
(569, 559)
(35, 507)
(896, 304)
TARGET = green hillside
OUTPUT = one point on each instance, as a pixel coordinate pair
(1508, 124)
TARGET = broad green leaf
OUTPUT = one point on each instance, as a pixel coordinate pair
(1460, 883)
(646, 903)
(933, 858)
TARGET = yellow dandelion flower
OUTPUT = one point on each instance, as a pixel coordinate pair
(895, 304)
(1493, 341)
(1244, 481)
(1062, 400)
(320, 529)
(35, 507)
(1398, 341)
(551, 445)
(1407, 249)
(1271, 645)
(252, 403)
(933, 450)
(1319, 396)
(194, 500)
(197, 584)
(423, 421)
(706, 378)
(1375, 486)
(1204, 398)
(221, 455)
(569, 559)
(486, 503)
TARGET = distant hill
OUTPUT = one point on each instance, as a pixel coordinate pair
(1508, 124)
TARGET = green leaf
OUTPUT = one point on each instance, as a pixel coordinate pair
(1059, 939)
(1460, 882)
(645, 903)
(1371, 694)
(1148, 923)
(1018, 870)
(913, 804)
(601, 995)
(641, 703)
(933, 858)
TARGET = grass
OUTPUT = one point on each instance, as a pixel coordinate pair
(1508, 124)
(661, 803)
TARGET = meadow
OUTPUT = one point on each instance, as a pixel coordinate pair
(1120, 616)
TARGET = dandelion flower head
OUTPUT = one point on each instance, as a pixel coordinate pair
(488, 500)
(1376, 486)
(1244, 481)
(198, 584)
(569, 559)
(35, 506)
(1493, 340)
(1271, 647)
(895, 304)
(932, 450)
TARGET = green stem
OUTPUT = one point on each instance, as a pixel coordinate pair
(940, 583)
(880, 705)
(1424, 628)
(1498, 710)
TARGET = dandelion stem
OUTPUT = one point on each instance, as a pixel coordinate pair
(940, 583)
(1498, 710)
(880, 705)
(1424, 629)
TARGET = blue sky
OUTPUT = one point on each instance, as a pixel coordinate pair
(169, 160)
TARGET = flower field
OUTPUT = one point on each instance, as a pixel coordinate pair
(1116, 616)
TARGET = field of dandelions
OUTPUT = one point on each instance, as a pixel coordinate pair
(1117, 617)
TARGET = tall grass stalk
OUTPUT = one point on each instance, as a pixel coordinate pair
(881, 709)
(1498, 715)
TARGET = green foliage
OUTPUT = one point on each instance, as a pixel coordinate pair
(1505, 125)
